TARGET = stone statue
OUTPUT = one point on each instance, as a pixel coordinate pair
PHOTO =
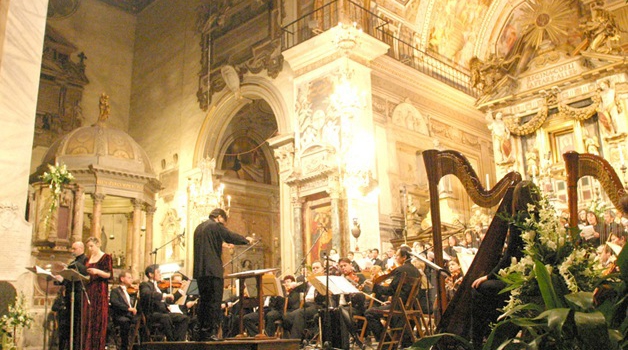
(104, 107)
(532, 166)
(502, 146)
(609, 109)
(601, 30)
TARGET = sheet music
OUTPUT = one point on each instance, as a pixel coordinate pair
(337, 285)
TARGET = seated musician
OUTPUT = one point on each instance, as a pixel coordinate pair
(485, 295)
(352, 304)
(293, 292)
(453, 281)
(294, 321)
(373, 315)
(272, 304)
(187, 303)
(153, 305)
(123, 307)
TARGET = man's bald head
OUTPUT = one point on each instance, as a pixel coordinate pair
(78, 248)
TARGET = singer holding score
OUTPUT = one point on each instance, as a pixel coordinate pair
(208, 271)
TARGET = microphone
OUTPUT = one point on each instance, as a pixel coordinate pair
(431, 265)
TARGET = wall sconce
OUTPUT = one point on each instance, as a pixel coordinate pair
(356, 231)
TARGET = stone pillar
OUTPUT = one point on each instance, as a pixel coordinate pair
(98, 198)
(297, 216)
(136, 267)
(128, 258)
(77, 215)
(148, 239)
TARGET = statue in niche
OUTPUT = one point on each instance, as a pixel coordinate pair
(591, 144)
(170, 226)
(502, 145)
(609, 109)
(532, 166)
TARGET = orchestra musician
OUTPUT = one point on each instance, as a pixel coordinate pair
(403, 259)
(273, 304)
(153, 305)
(352, 304)
(294, 322)
(208, 271)
(123, 306)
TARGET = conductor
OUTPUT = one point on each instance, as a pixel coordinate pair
(208, 270)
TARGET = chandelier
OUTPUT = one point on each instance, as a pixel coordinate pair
(203, 197)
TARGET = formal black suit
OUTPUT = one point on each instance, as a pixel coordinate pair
(379, 262)
(208, 271)
(374, 314)
(77, 264)
(120, 314)
(175, 325)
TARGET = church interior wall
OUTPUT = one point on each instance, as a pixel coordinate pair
(106, 35)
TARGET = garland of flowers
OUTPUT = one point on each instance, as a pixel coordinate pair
(16, 319)
(56, 178)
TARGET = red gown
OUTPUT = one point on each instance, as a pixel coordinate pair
(96, 313)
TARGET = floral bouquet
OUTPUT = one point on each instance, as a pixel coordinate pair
(17, 319)
(56, 178)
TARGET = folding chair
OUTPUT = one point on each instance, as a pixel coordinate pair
(397, 321)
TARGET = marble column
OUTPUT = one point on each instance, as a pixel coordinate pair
(148, 239)
(98, 198)
(297, 217)
(136, 265)
(128, 258)
(77, 215)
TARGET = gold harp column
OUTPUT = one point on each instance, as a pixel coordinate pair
(98, 198)
(129, 241)
(137, 222)
(148, 239)
(77, 229)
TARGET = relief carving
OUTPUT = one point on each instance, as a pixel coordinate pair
(407, 116)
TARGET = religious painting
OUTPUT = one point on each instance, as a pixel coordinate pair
(562, 142)
(317, 228)
(245, 160)
(445, 37)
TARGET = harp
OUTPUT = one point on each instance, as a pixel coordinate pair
(456, 314)
(578, 165)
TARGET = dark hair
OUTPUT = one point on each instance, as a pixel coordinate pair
(150, 270)
(525, 193)
(405, 252)
(218, 212)
(344, 260)
(375, 250)
(289, 277)
(623, 204)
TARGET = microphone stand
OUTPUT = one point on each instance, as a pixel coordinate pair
(431, 265)
(154, 252)
(242, 252)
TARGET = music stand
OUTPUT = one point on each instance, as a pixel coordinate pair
(41, 272)
(241, 276)
(72, 276)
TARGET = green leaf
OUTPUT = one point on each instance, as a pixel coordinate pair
(622, 262)
(592, 330)
(546, 287)
(583, 300)
(556, 318)
(426, 343)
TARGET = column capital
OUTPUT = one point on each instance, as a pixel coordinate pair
(150, 210)
(98, 197)
(137, 203)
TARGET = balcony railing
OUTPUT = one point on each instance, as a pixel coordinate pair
(329, 15)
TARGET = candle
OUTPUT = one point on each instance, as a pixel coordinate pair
(488, 185)
(228, 201)
(621, 156)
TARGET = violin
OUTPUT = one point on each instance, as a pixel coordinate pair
(132, 290)
(167, 284)
(381, 277)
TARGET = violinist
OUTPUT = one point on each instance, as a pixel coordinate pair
(373, 314)
(123, 306)
(352, 304)
(153, 305)
(294, 321)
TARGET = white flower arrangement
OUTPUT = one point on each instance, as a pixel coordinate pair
(16, 319)
(56, 178)
(547, 241)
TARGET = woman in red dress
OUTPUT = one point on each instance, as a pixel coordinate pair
(99, 267)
